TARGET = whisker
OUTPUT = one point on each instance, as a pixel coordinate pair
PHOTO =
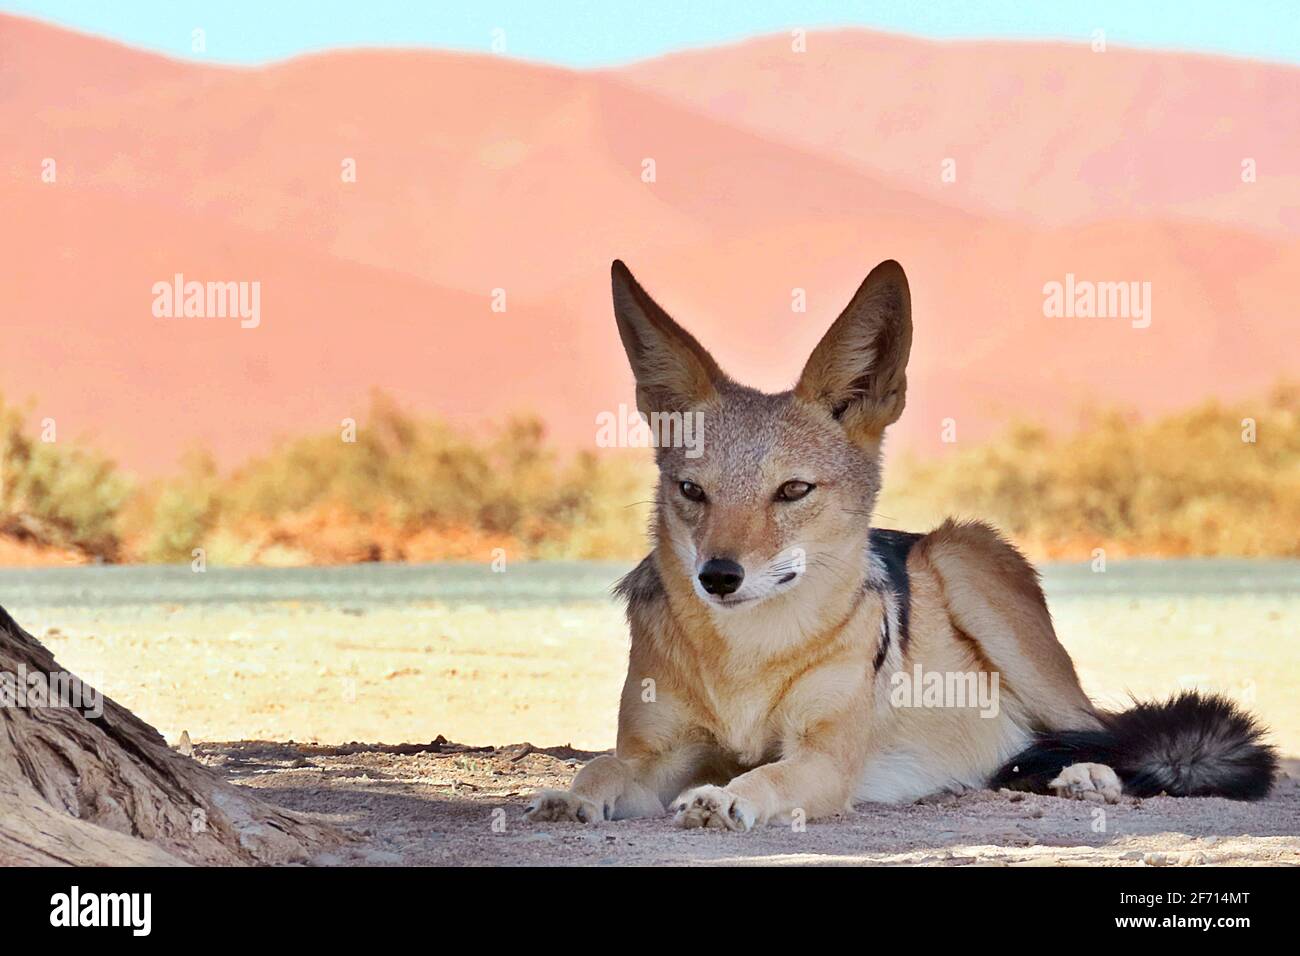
(839, 573)
(869, 514)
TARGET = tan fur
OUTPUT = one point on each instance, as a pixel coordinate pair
(777, 700)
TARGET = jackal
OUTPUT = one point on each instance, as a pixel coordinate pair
(771, 621)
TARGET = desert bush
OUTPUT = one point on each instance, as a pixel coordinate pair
(58, 493)
(1183, 484)
(405, 475)
(184, 511)
(413, 488)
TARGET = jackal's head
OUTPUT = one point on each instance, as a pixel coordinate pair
(761, 494)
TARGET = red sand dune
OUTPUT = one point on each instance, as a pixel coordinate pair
(1043, 132)
(477, 173)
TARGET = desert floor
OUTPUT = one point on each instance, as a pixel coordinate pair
(326, 669)
(463, 808)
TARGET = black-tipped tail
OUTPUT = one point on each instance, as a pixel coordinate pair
(1192, 745)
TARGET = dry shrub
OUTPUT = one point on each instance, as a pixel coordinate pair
(1183, 485)
(57, 493)
(411, 488)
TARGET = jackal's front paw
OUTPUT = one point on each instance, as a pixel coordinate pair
(713, 807)
(547, 805)
(1094, 782)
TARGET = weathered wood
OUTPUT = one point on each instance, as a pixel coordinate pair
(104, 790)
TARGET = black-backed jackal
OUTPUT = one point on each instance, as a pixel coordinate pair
(787, 657)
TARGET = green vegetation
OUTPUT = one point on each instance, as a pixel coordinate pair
(59, 494)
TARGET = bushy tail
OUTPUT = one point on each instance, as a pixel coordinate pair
(1192, 745)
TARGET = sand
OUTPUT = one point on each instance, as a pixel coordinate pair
(308, 672)
(550, 675)
(464, 809)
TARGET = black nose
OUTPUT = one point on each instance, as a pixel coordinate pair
(720, 576)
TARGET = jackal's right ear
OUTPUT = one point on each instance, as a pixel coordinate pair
(673, 371)
(858, 371)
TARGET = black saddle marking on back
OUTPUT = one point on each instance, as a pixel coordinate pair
(891, 548)
(883, 649)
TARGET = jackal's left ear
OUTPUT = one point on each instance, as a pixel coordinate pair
(673, 371)
(859, 369)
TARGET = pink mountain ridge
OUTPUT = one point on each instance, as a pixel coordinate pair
(465, 270)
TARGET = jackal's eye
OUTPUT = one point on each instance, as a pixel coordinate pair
(691, 490)
(793, 490)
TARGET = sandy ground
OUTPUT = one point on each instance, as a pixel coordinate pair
(552, 674)
(464, 808)
(311, 672)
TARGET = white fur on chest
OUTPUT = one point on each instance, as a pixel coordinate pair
(750, 723)
(744, 728)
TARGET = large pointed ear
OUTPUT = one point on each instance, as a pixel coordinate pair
(673, 371)
(858, 371)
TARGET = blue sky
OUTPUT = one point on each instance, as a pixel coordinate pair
(594, 33)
